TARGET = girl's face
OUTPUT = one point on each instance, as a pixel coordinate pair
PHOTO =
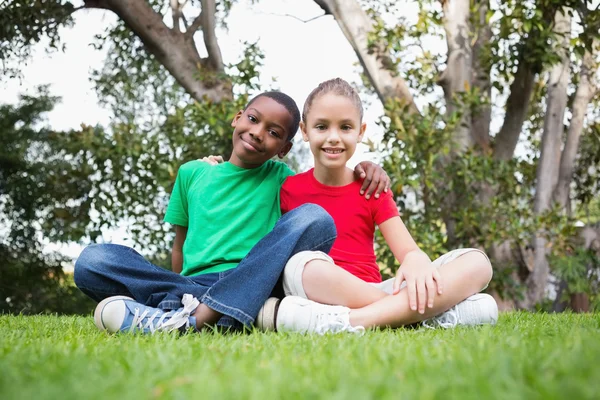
(332, 129)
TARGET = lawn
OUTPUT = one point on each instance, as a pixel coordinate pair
(528, 356)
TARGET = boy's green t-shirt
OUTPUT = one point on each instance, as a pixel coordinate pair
(227, 210)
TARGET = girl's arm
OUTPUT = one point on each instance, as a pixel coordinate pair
(415, 266)
(177, 252)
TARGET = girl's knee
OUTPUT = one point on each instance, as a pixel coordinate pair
(317, 270)
(484, 270)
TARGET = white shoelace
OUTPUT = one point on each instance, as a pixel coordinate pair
(335, 323)
(448, 319)
(176, 320)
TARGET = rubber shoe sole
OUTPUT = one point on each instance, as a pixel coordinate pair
(100, 308)
(265, 321)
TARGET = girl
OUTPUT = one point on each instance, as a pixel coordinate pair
(441, 291)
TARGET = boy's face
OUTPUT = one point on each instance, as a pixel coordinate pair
(260, 132)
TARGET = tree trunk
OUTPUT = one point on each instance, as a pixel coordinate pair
(176, 51)
(481, 118)
(517, 106)
(585, 92)
(356, 26)
(457, 76)
(548, 164)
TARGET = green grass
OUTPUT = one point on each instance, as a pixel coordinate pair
(528, 356)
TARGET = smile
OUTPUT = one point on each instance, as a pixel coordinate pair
(333, 151)
(249, 146)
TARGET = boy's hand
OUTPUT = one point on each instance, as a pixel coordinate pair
(375, 178)
(212, 160)
(423, 280)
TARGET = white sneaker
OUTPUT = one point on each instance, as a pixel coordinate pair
(479, 309)
(297, 314)
(265, 321)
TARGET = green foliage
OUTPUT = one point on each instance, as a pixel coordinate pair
(156, 128)
(526, 356)
(455, 199)
(43, 195)
(587, 172)
(579, 268)
(24, 23)
(72, 186)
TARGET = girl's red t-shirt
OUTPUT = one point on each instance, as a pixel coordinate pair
(355, 219)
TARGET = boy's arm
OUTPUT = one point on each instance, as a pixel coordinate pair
(422, 278)
(177, 252)
(374, 179)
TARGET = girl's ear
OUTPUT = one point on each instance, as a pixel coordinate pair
(363, 128)
(303, 129)
(237, 118)
(284, 150)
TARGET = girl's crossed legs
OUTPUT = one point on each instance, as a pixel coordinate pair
(314, 276)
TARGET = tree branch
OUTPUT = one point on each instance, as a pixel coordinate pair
(296, 18)
(457, 76)
(176, 13)
(585, 92)
(517, 107)
(517, 104)
(356, 26)
(175, 52)
(207, 14)
(196, 24)
(481, 118)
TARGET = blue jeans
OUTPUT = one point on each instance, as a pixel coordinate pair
(104, 270)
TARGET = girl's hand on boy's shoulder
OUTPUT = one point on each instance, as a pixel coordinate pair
(212, 160)
(422, 279)
(375, 179)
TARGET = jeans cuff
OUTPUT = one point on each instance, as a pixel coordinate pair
(234, 313)
(169, 305)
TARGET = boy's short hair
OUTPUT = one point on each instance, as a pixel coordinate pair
(289, 104)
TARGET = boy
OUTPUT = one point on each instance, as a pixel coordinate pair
(230, 248)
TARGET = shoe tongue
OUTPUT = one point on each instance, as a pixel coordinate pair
(193, 323)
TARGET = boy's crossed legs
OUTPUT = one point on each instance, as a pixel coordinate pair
(312, 275)
(135, 294)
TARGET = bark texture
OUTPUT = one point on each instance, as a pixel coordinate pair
(548, 164)
(356, 26)
(457, 76)
(175, 50)
(481, 118)
(586, 90)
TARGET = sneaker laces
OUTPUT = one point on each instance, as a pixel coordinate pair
(448, 319)
(336, 323)
(167, 321)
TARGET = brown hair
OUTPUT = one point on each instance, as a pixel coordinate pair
(336, 86)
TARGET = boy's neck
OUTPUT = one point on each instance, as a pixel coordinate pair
(239, 163)
(341, 176)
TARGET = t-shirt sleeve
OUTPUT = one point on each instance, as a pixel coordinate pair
(384, 208)
(284, 197)
(284, 172)
(177, 210)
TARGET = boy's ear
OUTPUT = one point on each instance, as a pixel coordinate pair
(303, 129)
(285, 149)
(363, 128)
(236, 118)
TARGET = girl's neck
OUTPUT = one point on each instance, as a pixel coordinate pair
(341, 176)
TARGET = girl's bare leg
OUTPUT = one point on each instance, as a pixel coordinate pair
(371, 307)
(326, 283)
